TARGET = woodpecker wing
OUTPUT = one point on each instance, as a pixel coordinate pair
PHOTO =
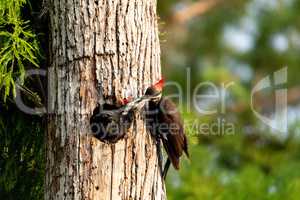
(172, 131)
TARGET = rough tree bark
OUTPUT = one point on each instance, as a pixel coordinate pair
(100, 49)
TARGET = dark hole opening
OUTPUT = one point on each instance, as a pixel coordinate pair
(109, 123)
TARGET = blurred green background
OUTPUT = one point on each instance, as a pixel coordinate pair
(239, 41)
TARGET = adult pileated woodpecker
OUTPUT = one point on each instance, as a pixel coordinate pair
(162, 116)
(166, 122)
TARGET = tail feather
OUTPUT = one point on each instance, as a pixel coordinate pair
(172, 155)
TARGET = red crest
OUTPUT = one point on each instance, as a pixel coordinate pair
(160, 84)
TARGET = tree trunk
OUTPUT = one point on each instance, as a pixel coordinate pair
(100, 50)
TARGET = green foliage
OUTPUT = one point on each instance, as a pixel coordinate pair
(236, 167)
(21, 156)
(19, 48)
(21, 143)
(255, 162)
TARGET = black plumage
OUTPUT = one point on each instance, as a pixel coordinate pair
(166, 123)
